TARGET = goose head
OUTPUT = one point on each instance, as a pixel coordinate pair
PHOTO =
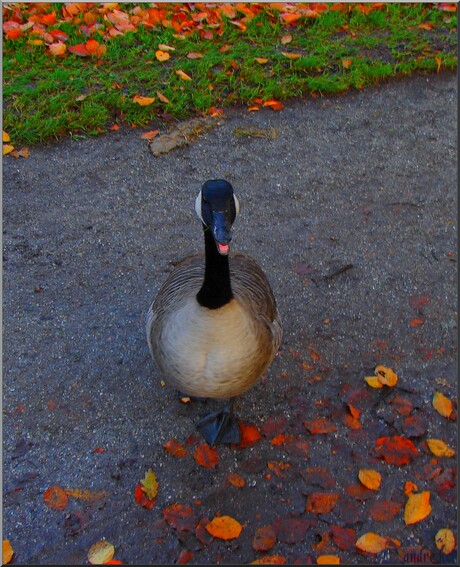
(217, 206)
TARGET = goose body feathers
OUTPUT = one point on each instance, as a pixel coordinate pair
(215, 353)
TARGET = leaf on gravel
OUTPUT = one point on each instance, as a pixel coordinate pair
(249, 435)
(236, 480)
(292, 530)
(143, 100)
(373, 381)
(439, 448)
(224, 527)
(183, 75)
(370, 478)
(180, 517)
(445, 541)
(372, 543)
(321, 502)
(142, 499)
(442, 404)
(85, 495)
(270, 560)
(264, 538)
(344, 538)
(384, 510)
(328, 560)
(320, 425)
(101, 552)
(417, 507)
(410, 487)
(206, 456)
(56, 498)
(386, 376)
(396, 450)
(150, 484)
(7, 552)
(173, 447)
(7, 148)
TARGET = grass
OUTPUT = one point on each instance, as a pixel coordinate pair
(47, 97)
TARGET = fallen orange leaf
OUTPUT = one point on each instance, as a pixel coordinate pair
(410, 487)
(148, 136)
(321, 502)
(370, 478)
(439, 448)
(264, 538)
(442, 404)
(162, 97)
(92, 46)
(386, 376)
(5, 137)
(172, 446)
(328, 560)
(320, 425)
(224, 527)
(162, 55)
(249, 435)
(291, 55)
(79, 49)
(384, 510)
(438, 63)
(417, 507)
(55, 498)
(372, 543)
(7, 148)
(236, 480)
(373, 381)
(261, 60)
(286, 39)
(183, 75)
(58, 48)
(206, 456)
(396, 450)
(270, 560)
(7, 552)
(143, 100)
(142, 499)
(101, 552)
(445, 541)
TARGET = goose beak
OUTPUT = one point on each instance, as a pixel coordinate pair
(222, 231)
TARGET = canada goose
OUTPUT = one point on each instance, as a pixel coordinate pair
(214, 328)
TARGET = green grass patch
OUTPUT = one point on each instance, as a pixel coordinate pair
(46, 97)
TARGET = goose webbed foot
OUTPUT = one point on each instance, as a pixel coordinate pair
(220, 427)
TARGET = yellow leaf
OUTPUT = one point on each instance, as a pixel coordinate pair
(143, 100)
(417, 507)
(162, 97)
(370, 478)
(328, 560)
(261, 60)
(439, 448)
(150, 484)
(6, 137)
(442, 404)
(165, 47)
(183, 75)
(373, 381)
(224, 527)
(101, 552)
(445, 541)
(7, 552)
(162, 55)
(386, 376)
(7, 148)
(372, 543)
(291, 55)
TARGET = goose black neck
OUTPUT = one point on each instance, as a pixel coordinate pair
(216, 290)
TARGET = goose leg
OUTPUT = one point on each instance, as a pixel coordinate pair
(220, 426)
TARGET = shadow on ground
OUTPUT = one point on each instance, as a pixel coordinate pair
(351, 211)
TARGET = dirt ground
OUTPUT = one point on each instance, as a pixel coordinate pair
(351, 209)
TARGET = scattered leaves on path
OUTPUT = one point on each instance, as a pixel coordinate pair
(445, 541)
(101, 552)
(417, 507)
(224, 527)
(442, 404)
(7, 552)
